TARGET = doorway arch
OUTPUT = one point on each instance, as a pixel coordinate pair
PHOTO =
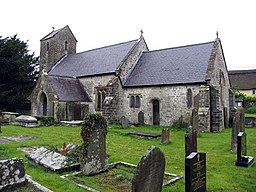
(43, 104)
(156, 114)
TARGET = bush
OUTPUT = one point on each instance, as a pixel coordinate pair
(45, 120)
(251, 110)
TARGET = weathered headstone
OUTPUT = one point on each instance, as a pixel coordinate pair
(141, 120)
(125, 122)
(12, 174)
(51, 160)
(149, 174)
(195, 172)
(237, 126)
(195, 119)
(165, 136)
(94, 156)
(190, 141)
(242, 159)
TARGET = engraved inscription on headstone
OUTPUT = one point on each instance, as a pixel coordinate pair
(195, 172)
(149, 174)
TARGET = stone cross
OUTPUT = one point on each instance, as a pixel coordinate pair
(190, 141)
(149, 174)
(94, 156)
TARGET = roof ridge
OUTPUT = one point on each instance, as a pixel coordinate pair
(54, 31)
(242, 71)
(104, 47)
(183, 46)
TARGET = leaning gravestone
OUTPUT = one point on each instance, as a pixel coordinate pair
(141, 120)
(12, 174)
(242, 159)
(237, 126)
(190, 141)
(149, 174)
(125, 122)
(195, 172)
(94, 157)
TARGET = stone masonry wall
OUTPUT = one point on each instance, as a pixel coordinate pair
(172, 99)
(12, 174)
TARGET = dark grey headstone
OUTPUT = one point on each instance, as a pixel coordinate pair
(149, 174)
(165, 136)
(242, 159)
(125, 122)
(195, 119)
(190, 141)
(141, 120)
(195, 172)
(12, 174)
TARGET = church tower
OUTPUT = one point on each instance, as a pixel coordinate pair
(55, 45)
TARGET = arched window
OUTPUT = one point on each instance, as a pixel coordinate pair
(189, 98)
(47, 46)
(135, 101)
(101, 95)
(66, 45)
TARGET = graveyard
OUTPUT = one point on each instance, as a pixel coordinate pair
(221, 172)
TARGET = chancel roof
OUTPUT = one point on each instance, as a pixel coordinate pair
(179, 65)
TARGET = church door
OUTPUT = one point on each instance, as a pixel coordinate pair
(156, 115)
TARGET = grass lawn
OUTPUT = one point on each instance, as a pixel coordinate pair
(222, 174)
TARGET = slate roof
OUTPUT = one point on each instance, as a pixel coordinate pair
(68, 89)
(179, 65)
(243, 79)
(97, 61)
(50, 35)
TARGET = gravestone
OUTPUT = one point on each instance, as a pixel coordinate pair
(125, 122)
(190, 141)
(51, 160)
(141, 118)
(195, 119)
(195, 172)
(26, 121)
(237, 126)
(94, 157)
(165, 136)
(12, 174)
(242, 159)
(149, 174)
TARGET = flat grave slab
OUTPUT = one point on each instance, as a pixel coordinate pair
(145, 134)
(51, 160)
(18, 138)
(71, 123)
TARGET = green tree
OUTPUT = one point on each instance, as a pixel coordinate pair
(18, 73)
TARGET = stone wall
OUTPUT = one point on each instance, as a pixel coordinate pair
(172, 100)
(12, 174)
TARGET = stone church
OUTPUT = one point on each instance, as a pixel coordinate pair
(127, 80)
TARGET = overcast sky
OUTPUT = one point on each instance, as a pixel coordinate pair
(166, 23)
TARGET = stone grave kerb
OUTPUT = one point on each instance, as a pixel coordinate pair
(148, 176)
(94, 156)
